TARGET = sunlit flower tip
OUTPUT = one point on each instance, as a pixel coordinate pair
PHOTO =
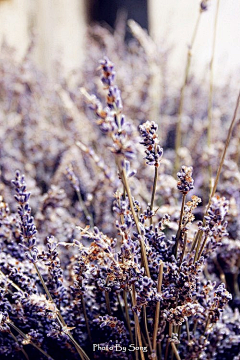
(153, 151)
(108, 73)
(185, 183)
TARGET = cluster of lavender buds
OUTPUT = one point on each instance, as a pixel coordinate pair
(112, 322)
(28, 229)
(214, 227)
(114, 100)
(150, 140)
(111, 120)
(55, 273)
(72, 178)
(185, 182)
(146, 292)
(189, 207)
(178, 315)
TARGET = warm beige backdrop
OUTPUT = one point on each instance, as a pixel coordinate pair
(60, 25)
(175, 20)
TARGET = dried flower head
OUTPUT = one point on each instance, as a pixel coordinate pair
(150, 140)
(28, 228)
(185, 183)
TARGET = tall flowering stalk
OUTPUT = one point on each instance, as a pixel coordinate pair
(76, 186)
(184, 185)
(28, 228)
(210, 97)
(112, 122)
(153, 152)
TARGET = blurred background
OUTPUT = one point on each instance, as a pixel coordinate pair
(60, 27)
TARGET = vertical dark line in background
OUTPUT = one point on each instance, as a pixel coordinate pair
(105, 11)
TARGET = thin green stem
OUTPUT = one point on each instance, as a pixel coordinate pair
(86, 319)
(224, 150)
(146, 328)
(107, 300)
(168, 341)
(157, 311)
(143, 339)
(220, 270)
(154, 190)
(123, 175)
(182, 92)
(175, 351)
(197, 252)
(235, 280)
(194, 326)
(127, 315)
(84, 208)
(43, 283)
(136, 341)
(179, 226)
(159, 346)
(137, 326)
(210, 98)
(199, 234)
(133, 301)
(187, 327)
(184, 248)
(195, 241)
(179, 334)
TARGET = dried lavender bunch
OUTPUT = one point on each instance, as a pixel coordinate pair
(28, 231)
(177, 305)
(96, 275)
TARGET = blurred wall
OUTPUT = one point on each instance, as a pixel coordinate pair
(14, 23)
(60, 28)
(174, 21)
(59, 25)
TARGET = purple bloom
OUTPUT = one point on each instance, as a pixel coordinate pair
(153, 151)
(28, 228)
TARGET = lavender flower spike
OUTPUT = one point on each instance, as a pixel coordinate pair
(150, 140)
(28, 228)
